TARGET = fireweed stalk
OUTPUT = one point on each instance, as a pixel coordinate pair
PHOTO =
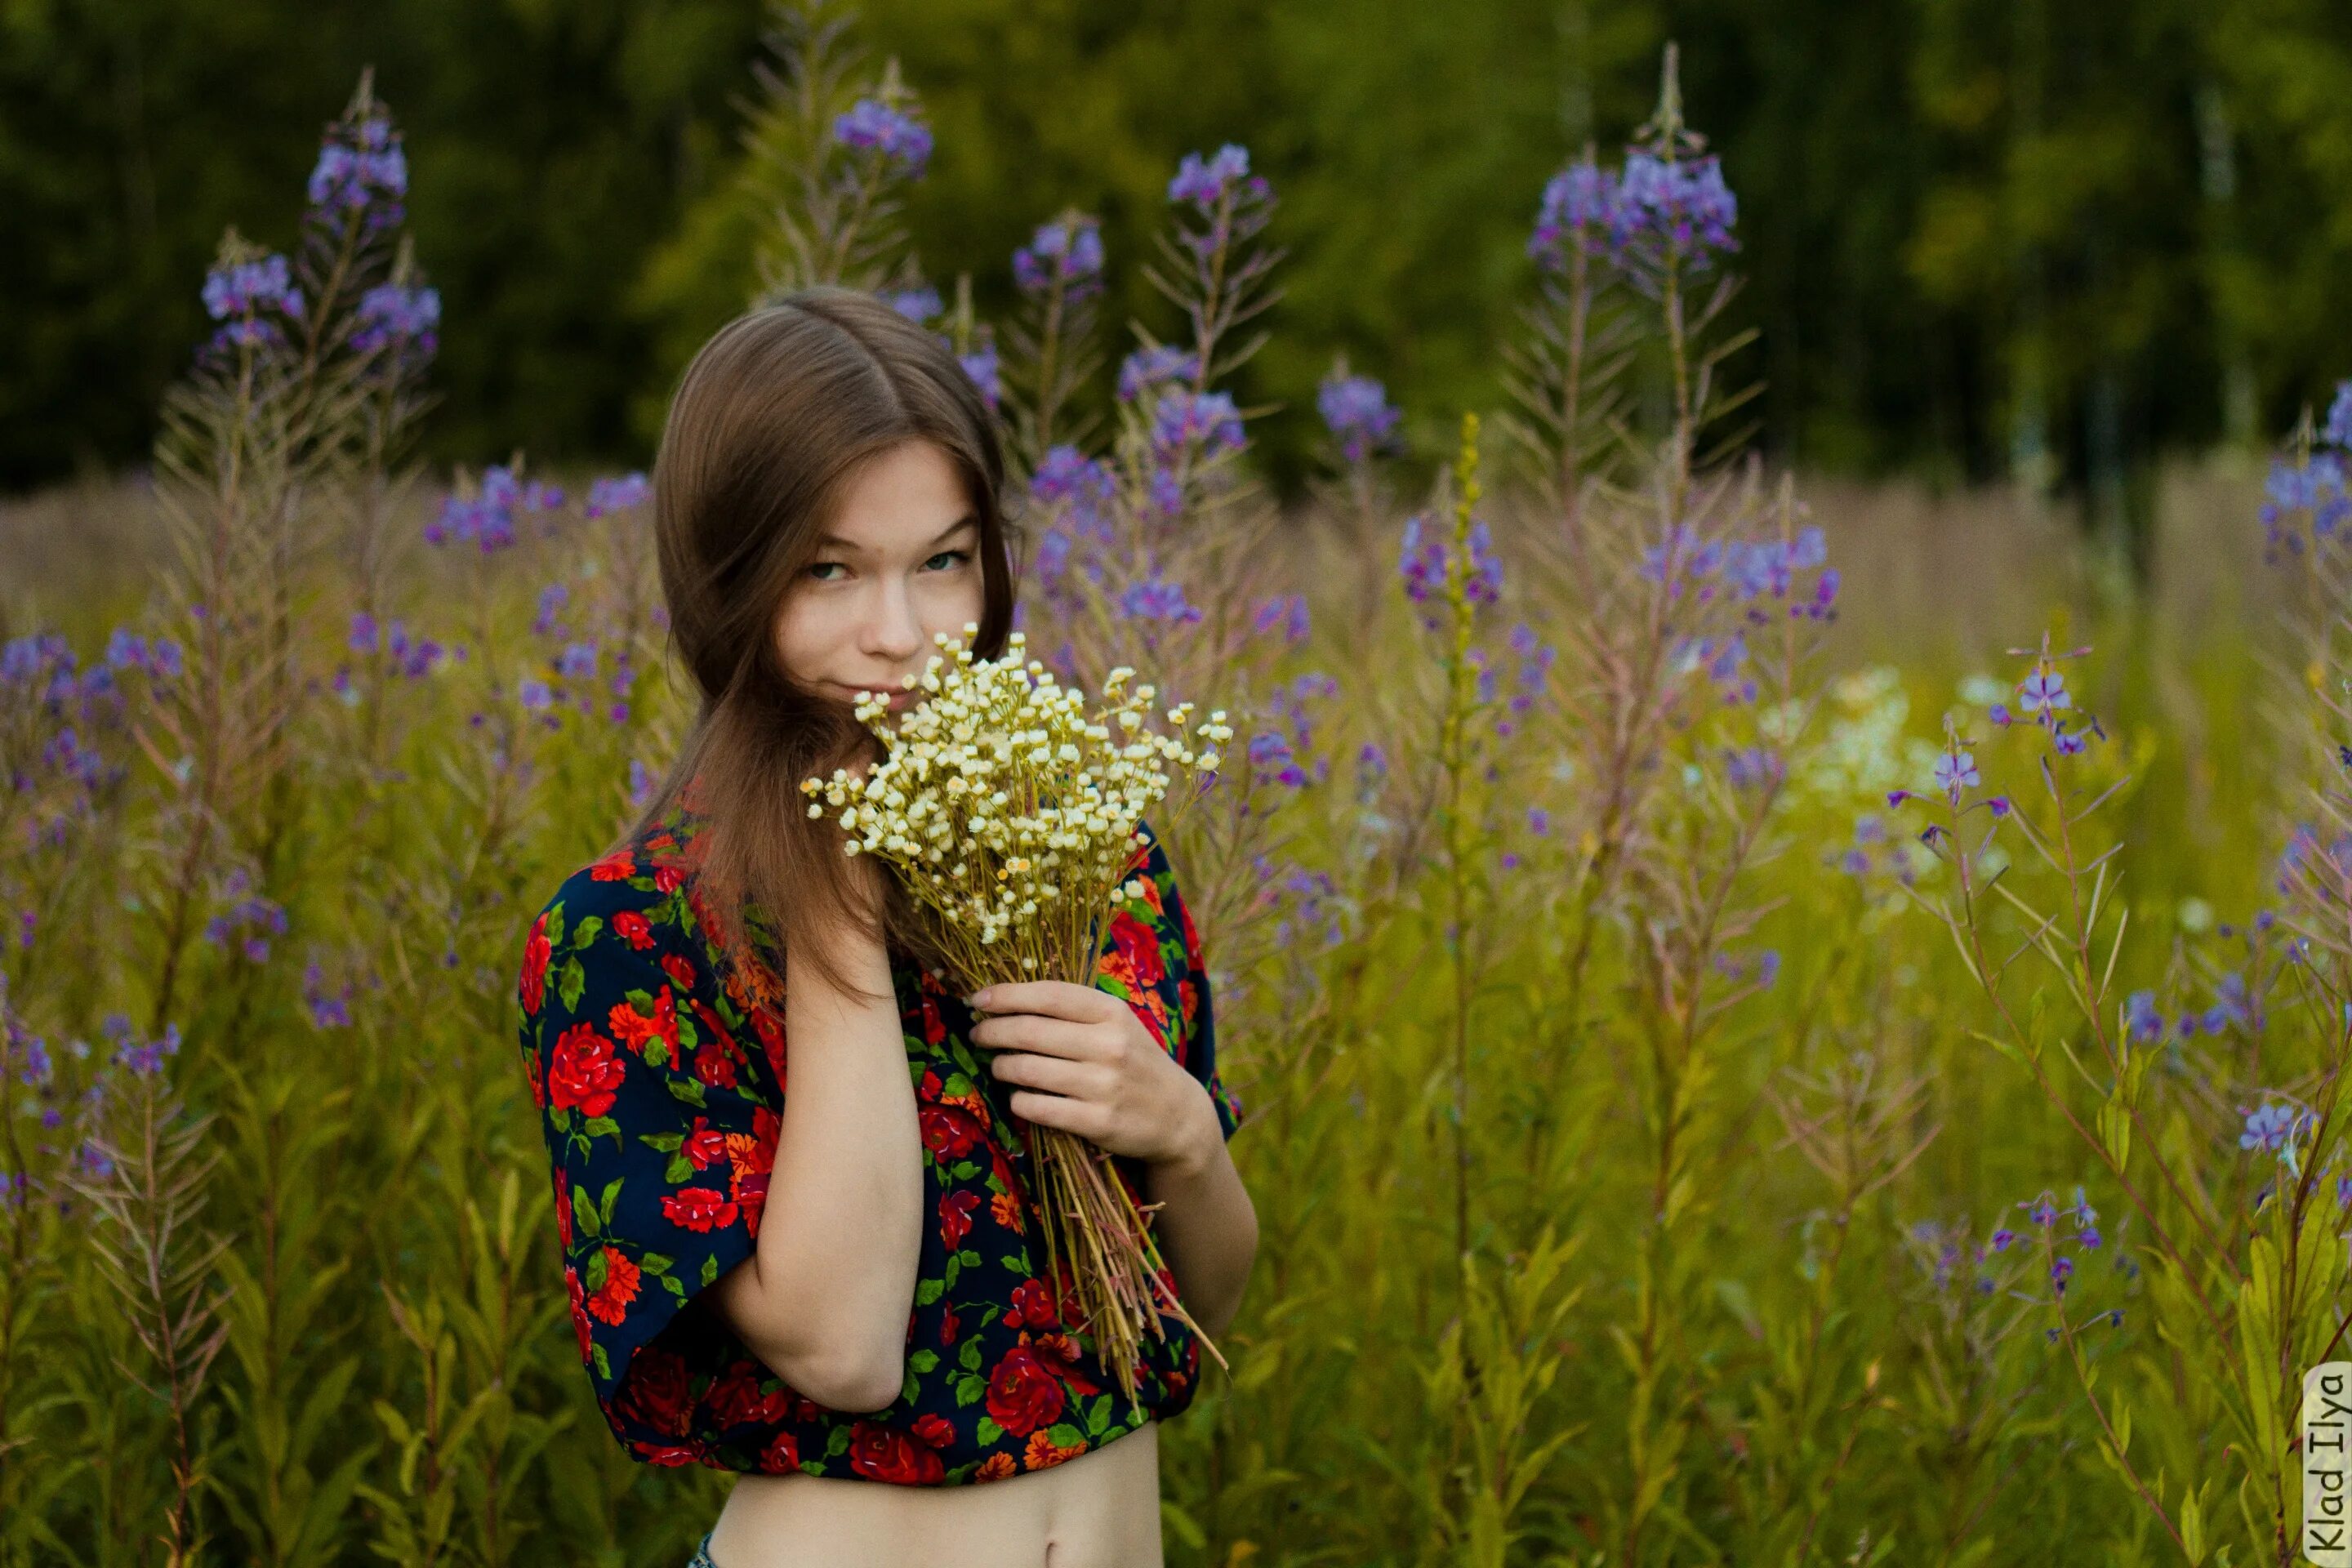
(1009, 811)
(1690, 597)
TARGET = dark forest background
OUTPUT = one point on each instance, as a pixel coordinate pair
(2054, 240)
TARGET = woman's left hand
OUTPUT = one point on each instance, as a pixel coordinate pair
(1084, 1061)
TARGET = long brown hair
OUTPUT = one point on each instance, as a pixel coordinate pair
(776, 413)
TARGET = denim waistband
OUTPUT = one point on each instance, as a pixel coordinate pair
(701, 1558)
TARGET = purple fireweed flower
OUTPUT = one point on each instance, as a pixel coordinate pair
(328, 1010)
(1068, 251)
(1356, 412)
(1163, 492)
(1144, 369)
(1484, 579)
(34, 1058)
(2061, 1270)
(871, 125)
(552, 599)
(1579, 212)
(1955, 772)
(488, 518)
(2337, 431)
(2068, 746)
(1052, 557)
(2040, 1210)
(2002, 1237)
(2043, 690)
(2141, 1017)
(1538, 821)
(1766, 567)
(642, 781)
(1069, 478)
(1486, 676)
(144, 1057)
(1156, 598)
(1286, 612)
(359, 164)
(412, 657)
(577, 661)
(1209, 418)
(917, 304)
(980, 365)
(616, 493)
(535, 695)
(1206, 182)
(1269, 752)
(389, 314)
(364, 635)
(1747, 767)
(1421, 561)
(248, 287)
(2272, 1128)
(2316, 485)
(1683, 556)
(1679, 212)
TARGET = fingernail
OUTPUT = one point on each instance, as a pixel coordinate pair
(977, 999)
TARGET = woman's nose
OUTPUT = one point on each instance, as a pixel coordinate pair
(892, 631)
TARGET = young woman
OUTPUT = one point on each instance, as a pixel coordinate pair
(840, 1293)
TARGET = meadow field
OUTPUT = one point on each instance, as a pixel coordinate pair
(1779, 1022)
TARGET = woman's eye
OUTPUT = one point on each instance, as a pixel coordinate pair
(821, 566)
(950, 556)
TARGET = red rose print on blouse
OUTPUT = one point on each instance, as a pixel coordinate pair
(584, 1074)
(635, 1030)
(1032, 1308)
(658, 1392)
(611, 1302)
(1022, 1394)
(1061, 1352)
(949, 1134)
(699, 1209)
(706, 1145)
(886, 1453)
(535, 954)
(1138, 947)
(737, 1399)
(783, 1455)
(579, 1312)
(955, 1217)
(619, 867)
(631, 927)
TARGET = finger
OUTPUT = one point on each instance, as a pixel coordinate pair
(1046, 1037)
(1054, 1075)
(1081, 1117)
(1051, 998)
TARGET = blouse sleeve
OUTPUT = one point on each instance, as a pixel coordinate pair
(660, 1126)
(1155, 959)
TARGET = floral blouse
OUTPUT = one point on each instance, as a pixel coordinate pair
(659, 1076)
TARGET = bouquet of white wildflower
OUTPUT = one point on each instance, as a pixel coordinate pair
(1010, 811)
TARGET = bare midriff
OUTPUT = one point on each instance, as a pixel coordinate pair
(1100, 1510)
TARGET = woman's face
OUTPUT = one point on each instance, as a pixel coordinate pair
(899, 564)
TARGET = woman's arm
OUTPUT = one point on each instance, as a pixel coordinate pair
(1206, 1223)
(824, 1297)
